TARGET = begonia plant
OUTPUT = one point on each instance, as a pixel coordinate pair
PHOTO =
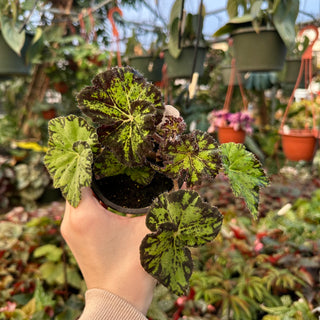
(128, 134)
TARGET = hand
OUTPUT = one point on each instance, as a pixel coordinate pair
(106, 247)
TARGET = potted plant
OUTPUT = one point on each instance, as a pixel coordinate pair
(266, 33)
(226, 66)
(14, 43)
(298, 130)
(70, 65)
(150, 62)
(290, 72)
(299, 143)
(133, 138)
(231, 127)
(186, 47)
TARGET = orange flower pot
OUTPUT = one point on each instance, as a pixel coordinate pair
(49, 114)
(299, 144)
(228, 134)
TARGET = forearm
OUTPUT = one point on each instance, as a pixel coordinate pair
(103, 305)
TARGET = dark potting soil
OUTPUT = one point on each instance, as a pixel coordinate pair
(124, 192)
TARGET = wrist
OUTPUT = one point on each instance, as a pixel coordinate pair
(102, 304)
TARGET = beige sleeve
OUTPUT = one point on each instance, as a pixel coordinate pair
(103, 305)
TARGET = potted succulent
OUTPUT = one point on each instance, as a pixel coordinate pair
(186, 47)
(231, 126)
(128, 135)
(266, 33)
(149, 63)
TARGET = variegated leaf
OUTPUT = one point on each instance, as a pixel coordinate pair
(129, 107)
(178, 220)
(72, 143)
(107, 165)
(169, 263)
(194, 155)
(245, 173)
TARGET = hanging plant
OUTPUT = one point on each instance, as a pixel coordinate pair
(241, 120)
(300, 143)
(231, 127)
(131, 135)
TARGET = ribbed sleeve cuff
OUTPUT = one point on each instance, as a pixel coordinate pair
(104, 305)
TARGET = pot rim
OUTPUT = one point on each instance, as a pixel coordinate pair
(151, 57)
(252, 30)
(303, 133)
(108, 203)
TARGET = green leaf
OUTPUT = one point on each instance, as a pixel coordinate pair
(178, 220)
(173, 44)
(50, 251)
(141, 175)
(107, 165)
(194, 156)
(72, 143)
(42, 298)
(233, 24)
(52, 273)
(175, 11)
(245, 173)
(128, 109)
(13, 37)
(168, 262)
(284, 17)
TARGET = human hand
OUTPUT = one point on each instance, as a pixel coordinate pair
(106, 247)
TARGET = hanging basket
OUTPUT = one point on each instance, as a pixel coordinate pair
(10, 63)
(228, 134)
(148, 66)
(258, 52)
(299, 144)
(226, 74)
(181, 68)
(290, 72)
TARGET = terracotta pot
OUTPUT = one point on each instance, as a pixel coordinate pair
(61, 87)
(49, 114)
(299, 144)
(228, 134)
(95, 60)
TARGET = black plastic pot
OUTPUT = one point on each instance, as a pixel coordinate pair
(291, 69)
(148, 66)
(226, 73)
(258, 52)
(10, 63)
(181, 67)
(122, 194)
